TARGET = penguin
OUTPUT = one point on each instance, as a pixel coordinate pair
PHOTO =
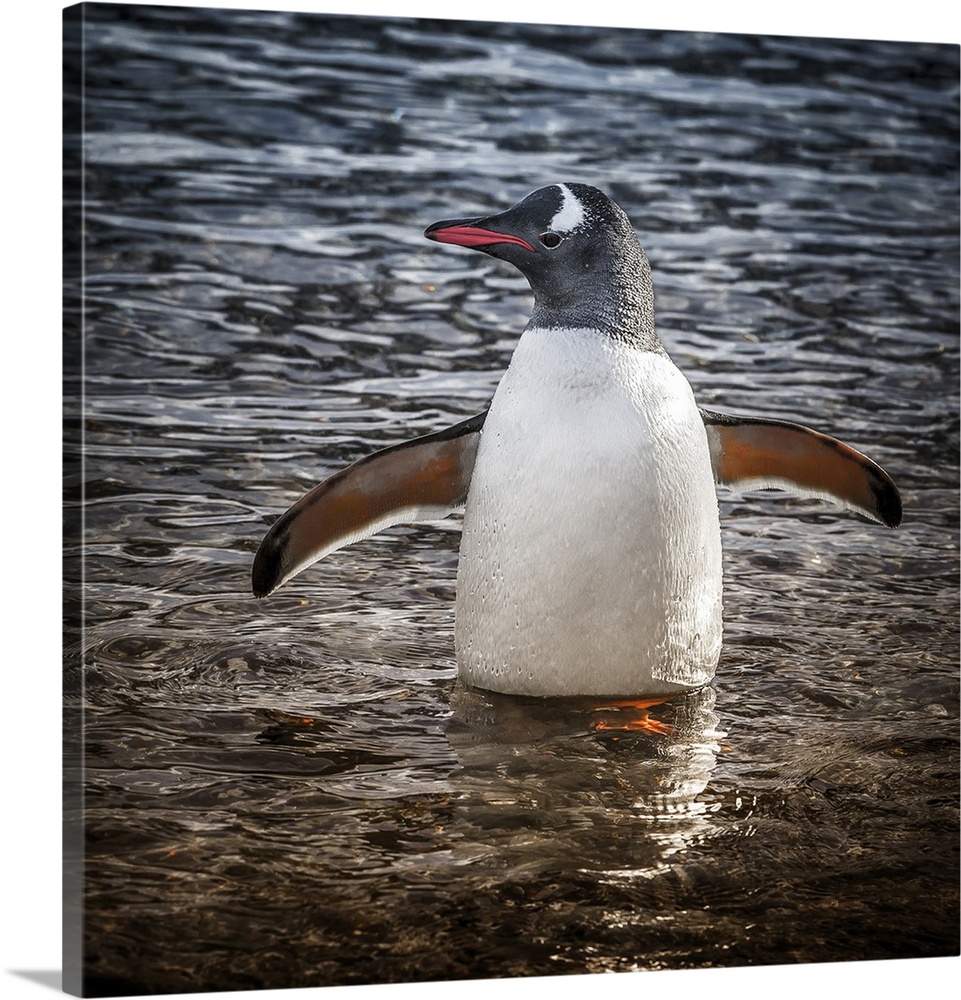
(590, 554)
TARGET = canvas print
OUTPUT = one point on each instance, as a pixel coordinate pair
(511, 500)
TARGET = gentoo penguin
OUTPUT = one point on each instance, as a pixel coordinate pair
(590, 558)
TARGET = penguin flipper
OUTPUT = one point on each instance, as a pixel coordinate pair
(423, 479)
(754, 453)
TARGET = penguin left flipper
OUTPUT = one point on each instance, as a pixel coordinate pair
(423, 479)
(755, 453)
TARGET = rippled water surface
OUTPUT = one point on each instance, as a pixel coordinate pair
(296, 791)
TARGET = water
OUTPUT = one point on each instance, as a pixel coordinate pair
(296, 791)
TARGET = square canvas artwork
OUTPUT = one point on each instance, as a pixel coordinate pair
(299, 790)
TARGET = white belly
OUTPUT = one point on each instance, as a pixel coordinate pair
(590, 560)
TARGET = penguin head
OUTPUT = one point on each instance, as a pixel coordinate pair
(579, 252)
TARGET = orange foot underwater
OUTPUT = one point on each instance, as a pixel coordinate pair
(632, 716)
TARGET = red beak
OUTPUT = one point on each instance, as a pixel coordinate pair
(465, 234)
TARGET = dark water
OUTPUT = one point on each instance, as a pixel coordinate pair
(296, 792)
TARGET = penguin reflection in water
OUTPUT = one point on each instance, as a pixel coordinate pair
(590, 558)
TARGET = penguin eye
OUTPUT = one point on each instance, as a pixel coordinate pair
(551, 240)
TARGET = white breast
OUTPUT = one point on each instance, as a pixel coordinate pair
(590, 560)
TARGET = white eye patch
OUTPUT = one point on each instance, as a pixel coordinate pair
(571, 213)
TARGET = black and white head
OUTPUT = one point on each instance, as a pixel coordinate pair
(580, 254)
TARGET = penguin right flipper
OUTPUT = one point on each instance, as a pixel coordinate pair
(755, 453)
(423, 479)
